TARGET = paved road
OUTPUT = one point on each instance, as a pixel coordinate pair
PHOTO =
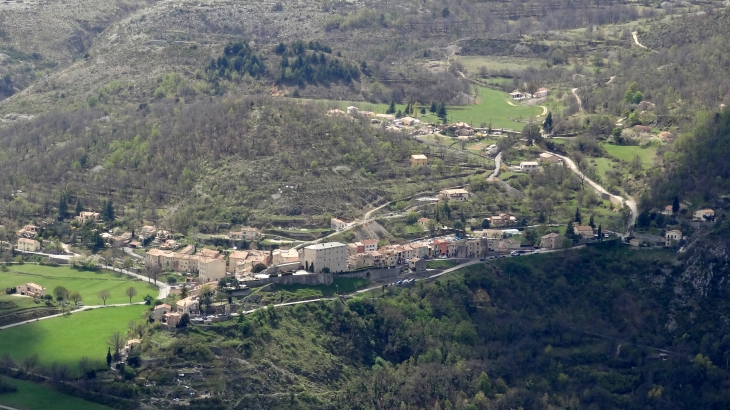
(130, 252)
(163, 287)
(7, 407)
(497, 165)
(614, 198)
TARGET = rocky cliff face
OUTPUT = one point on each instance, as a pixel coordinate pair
(703, 278)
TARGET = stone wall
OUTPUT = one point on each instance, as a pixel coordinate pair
(311, 279)
(373, 274)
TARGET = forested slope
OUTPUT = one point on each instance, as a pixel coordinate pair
(215, 161)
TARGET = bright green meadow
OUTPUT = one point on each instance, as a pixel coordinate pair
(66, 339)
(89, 284)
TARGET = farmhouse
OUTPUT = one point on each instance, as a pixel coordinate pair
(674, 235)
(419, 160)
(552, 241)
(88, 216)
(547, 157)
(704, 215)
(31, 289)
(528, 166)
(338, 224)
(28, 245)
(160, 311)
(541, 92)
(188, 305)
(584, 231)
(246, 233)
(458, 195)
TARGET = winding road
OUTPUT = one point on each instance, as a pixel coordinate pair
(602, 191)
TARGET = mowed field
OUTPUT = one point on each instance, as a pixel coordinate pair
(32, 396)
(89, 284)
(65, 339)
(627, 153)
(493, 106)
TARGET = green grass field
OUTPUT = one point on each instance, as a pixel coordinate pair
(492, 107)
(66, 339)
(627, 153)
(10, 303)
(32, 396)
(87, 283)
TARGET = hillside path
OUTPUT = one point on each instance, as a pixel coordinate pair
(635, 35)
(580, 103)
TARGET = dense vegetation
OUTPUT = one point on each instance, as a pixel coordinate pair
(217, 160)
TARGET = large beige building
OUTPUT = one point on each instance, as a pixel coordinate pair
(28, 245)
(210, 269)
(330, 255)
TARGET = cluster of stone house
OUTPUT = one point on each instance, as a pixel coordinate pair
(165, 314)
(208, 264)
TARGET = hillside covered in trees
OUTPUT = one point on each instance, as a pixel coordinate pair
(215, 162)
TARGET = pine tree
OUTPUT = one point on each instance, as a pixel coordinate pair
(541, 218)
(63, 206)
(441, 113)
(79, 207)
(108, 210)
(391, 108)
(547, 125)
(577, 216)
(423, 110)
(591, 223)
(600, 232)
(109, 357)
(569, 231)
(675, 205)
(433, 108)
(399, 114)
